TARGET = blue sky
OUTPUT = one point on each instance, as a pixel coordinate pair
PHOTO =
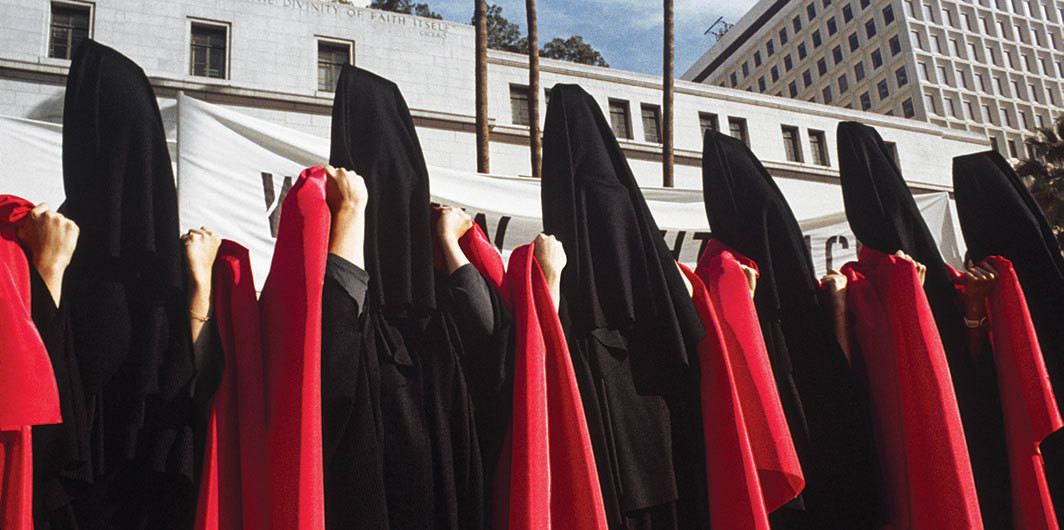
(628, 33)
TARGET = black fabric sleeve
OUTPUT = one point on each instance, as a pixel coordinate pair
(349, 277)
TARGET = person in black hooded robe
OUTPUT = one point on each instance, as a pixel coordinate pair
(825, 406)
(399, 425)
(883, 215)
(1000, 218)
(630, 323)
(127, 304)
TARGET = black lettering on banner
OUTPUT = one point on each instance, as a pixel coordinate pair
(704, 237)
(500, 229)
(269, 195)
(829, 244)
(677, 246)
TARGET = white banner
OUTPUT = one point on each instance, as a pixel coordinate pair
(234, 170)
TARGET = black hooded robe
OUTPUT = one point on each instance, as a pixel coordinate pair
(883, 215)
(630, 323)
(126, 293)
(825, 405)
(1000, 218)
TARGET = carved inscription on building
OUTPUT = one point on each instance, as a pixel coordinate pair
(427, 28)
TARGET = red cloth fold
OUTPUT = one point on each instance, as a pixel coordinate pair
(553, 481)
(1027, 399)
(290, 306)
(233, 485)
(918, 426)
(777, 463)
(28, 392)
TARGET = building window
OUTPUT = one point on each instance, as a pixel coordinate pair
(810, 10)
(994, 143)
(797, 23)
(907, 108)
(761, 84)
(858, 71)
(620, 121)
(734, 80)
(980, 81)
(787, 64)
(922, 71)
(519, 105)
(827, 95)
(707, 122)
(793, 89)
(737, 128)
(807, 78)
(832, 27)
(936, 44)
(651, 123)
(854, 42)
(757, 59)
(819, 148)
(836, 54)
(895, 45)
(1012, 148)
(208, 50)
(916, 38)
(989, 115)
(951, 108)
(866, 101)
(870, 28)
(844, 84)
(954, 49)
(332, 56)
(816, 39)
(942, 79)
(865, 3)
(822, 66)
(888, 15)
(770, 48)
(930, 102)
(792, 144)
(959, 75)
(847, 13)
(969, 111)
(746, 69)
(884, 90)
(71, 24)
(877, 59)
(783, 36)
(801, 51)
(901, 77)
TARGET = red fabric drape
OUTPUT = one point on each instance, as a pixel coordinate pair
(1027, 398)
(778, 469)
(233, 485)
(290, 305)
(553, 481)
(28, 392)
(918, 426)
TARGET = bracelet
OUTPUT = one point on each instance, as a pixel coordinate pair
(198, 317)
(974, 324)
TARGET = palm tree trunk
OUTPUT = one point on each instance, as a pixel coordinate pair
(480, 16)
(534, 140)
(667, 159)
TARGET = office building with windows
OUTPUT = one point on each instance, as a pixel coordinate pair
(990, 67)
(279, 59)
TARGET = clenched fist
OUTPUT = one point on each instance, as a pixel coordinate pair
(201, 247)
(551, 256)
(51, 239)
(345, 191)
(452, 223)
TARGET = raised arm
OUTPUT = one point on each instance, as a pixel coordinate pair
(551, 257)
(833, 289)
(201, 247)
(979, 279)
(50, 239)
(346, 195)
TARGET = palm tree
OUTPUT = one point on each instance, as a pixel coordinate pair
(480, 17)
(534, 140)
(667, 160)
(1043, 173)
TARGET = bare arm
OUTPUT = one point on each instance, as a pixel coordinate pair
(51, 239)
(833, 286)
(551, 257)
(451, 225)
(980, 280)
(201, 247)
(346, 195)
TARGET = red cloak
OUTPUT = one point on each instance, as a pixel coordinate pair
(28, 392)
(1027, 399)
(290, 305)
(233, 486)
(918, 425)
(553, 481)
(777, 463)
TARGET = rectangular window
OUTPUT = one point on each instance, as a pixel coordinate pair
(651, 123)
(844, 84)
(757, 59)
(847, 13)
(793, 89)
(797, 23)
(991, 55)
(775, 74)
(916, 39)
(1006, 118)
(969, 111)
(810, 11)
(71, 24)
(783, 36)
(332, 56)
(907, 108)
(884, 90)
(208, 50)
(787, 64)
(827, 94)
(858, 71)
(930, 103)
(761, 84)
(922, 71)
(746, 69)
(816, 39)
(961, 78)
(942, 80)
(519, 105)
(819, 148)
(707, 122)
(877, 59)
(901, 77)
(888, 15)
(994, 143)
(832, 27)
(988, 114)
(951, 108)
(620, 120)
(980, 81)
(822, 66)
(865, 3)
(870, 28)
(954, 50)
(807, 78)
(1012, 149)
(973, 51)
(801, 51)
(984, 25)
(734, 80)
(1028, 63)
(792, 144)
(737, 128)
(895, 45)
(836, 54)
(866, 101)
(769, 48)
(854, 43)
(936, 44)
